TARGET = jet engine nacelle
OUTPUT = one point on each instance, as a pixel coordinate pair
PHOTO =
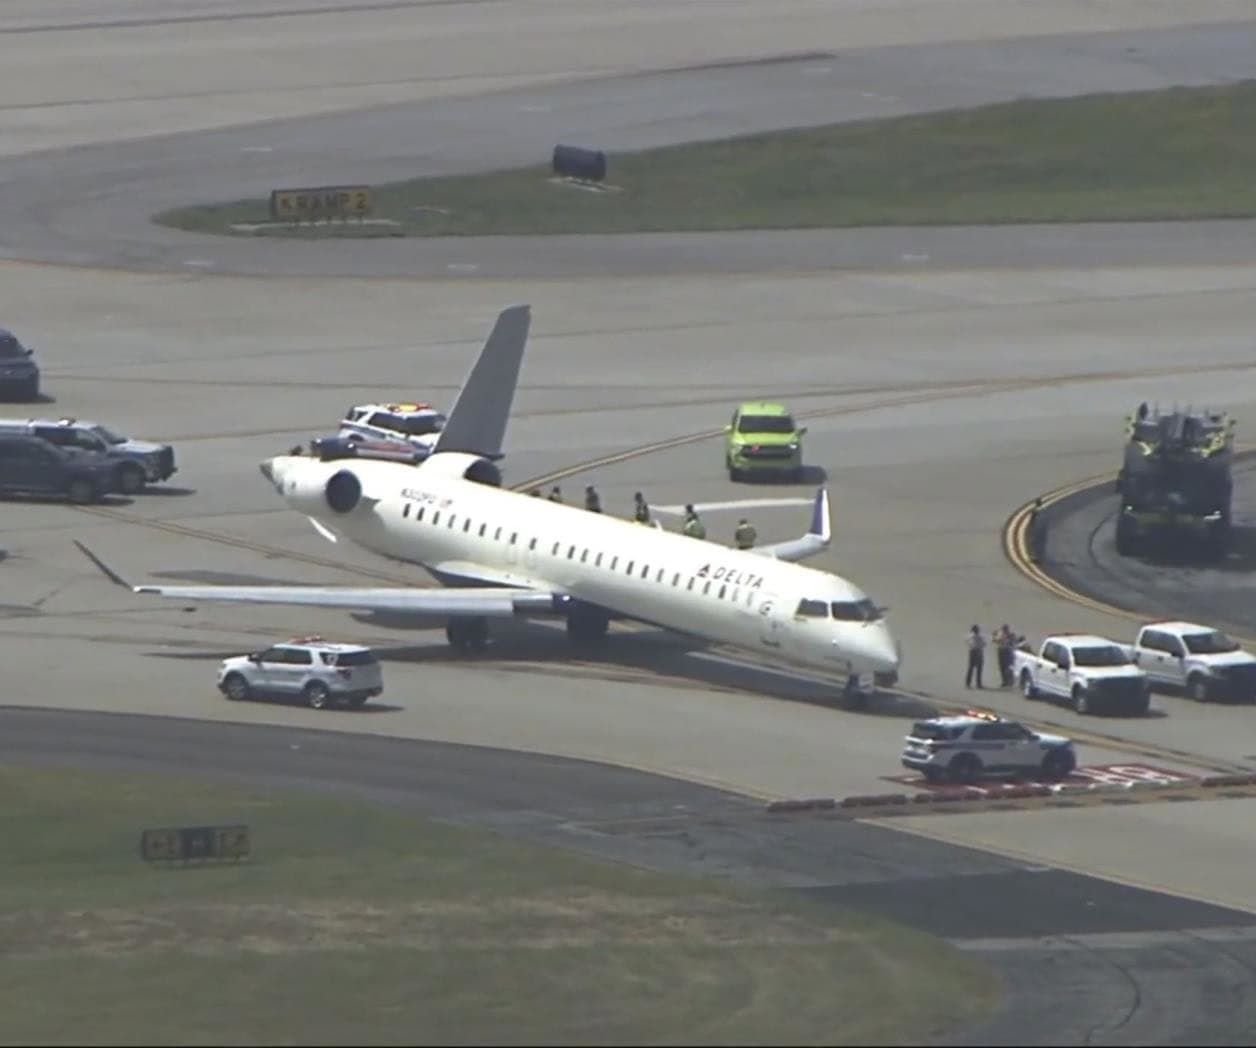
(343, 491)
(456, 465)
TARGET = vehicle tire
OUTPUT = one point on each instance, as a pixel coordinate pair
(1197, 688)
(734, 474)
(796, 475)
(30, 391)
(965, 769)
(131, 478)
(933, 776)
(81, 491)
(1027, 685)
(1057, 765)
(316, 695)
(236, 688)
(1081, 702)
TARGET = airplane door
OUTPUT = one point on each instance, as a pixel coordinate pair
(771, 621)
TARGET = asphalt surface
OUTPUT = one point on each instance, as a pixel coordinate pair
(1135, 966)
(1081, 553)
(91, 205)
(1012, 352)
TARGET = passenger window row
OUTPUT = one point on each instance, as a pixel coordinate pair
(725, 592)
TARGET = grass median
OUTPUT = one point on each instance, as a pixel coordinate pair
(1182, 153)
(360, 924)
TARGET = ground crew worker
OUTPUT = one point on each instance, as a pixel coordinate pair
(555, 494)
(640, 511)
(1005, 647)
(745, 534)
(592, 501)
(1036, 533)
(976, 645)
(694, 527)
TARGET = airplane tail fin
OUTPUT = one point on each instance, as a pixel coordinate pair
(477, 421)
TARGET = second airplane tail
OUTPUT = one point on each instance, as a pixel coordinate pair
(477, 421)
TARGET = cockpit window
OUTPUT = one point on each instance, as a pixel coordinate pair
(813, 609)
(855, 611)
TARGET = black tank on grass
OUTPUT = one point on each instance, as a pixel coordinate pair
(1175, 484)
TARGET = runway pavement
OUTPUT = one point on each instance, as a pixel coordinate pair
(949, 376)
(91, 205)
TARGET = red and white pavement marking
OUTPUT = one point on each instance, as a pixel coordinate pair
(1119, 775)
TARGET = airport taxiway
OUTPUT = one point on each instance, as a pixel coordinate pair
(951, 375)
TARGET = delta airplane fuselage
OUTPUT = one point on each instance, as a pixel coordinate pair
(473, 534)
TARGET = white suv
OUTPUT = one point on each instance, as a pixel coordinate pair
(320, 673)
(963, 749)
(418, 425)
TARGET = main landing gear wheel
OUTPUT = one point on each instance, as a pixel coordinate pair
(469, 635)
(587, 625)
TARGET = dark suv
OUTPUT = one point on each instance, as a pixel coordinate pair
(30, 465)
(19, 374)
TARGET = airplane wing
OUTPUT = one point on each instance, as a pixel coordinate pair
(816, 540)
(477, 421)
(489, 601)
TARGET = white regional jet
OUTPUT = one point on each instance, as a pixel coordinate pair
(504, 554)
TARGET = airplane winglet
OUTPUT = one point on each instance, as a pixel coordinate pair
(816, 540)
(821, 522)
(477, 421)
(104, 568)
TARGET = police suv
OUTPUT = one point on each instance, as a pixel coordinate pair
(964, 749)
(414, 423)
(309, 668)
(136, 463)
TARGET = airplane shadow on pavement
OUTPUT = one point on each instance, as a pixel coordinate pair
(634, 656)
(641, 655)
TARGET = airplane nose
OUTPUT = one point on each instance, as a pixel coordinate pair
(881, 649)
(267, 466)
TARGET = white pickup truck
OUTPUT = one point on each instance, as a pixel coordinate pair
(1200, 661)
(1091, 674)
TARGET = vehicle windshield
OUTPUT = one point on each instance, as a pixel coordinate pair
(765, 424)
(856, 610)
(1107, 655)
(10, 346)
(1214, 642)
(420, 425)
(108, 435)
(926, 730)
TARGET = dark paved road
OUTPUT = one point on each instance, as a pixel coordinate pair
(1081, 553)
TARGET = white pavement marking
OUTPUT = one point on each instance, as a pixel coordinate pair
(704, 507)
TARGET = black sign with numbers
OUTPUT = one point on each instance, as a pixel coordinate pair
(195, 844)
